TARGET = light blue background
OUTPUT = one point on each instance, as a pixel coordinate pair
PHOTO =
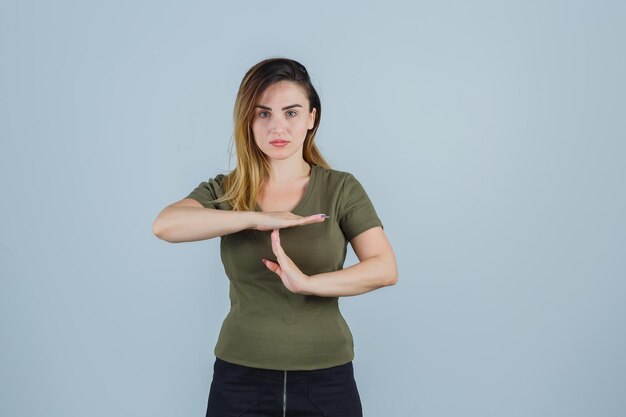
(489, 135)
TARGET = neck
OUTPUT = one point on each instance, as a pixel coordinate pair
(285, 172)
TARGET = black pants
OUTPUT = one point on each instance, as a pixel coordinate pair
(238, 390)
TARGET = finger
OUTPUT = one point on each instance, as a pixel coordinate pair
(272, 266)
(275, 243)
(281, 256)
(278, 250)
(318, 217)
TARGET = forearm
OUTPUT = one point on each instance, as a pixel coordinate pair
(365, 276)
(187, 224)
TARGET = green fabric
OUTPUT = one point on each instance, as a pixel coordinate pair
(268, 326)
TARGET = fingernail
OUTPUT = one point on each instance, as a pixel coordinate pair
(323, 216)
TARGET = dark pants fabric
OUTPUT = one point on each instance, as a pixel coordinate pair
(238, 390)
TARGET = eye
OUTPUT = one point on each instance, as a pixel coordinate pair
(261, 114)
(294, 113)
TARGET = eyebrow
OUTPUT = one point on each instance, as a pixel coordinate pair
(284, 108)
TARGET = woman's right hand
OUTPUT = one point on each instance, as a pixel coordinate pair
(264, 221)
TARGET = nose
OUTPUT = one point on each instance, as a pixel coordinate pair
(277, 125)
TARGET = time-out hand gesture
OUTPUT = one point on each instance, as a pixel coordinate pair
(294, 279)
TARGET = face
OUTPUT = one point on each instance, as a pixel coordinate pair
(282, 112)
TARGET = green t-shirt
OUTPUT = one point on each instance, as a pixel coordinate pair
(268, 326)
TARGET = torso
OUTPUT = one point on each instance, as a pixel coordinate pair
(282, 199)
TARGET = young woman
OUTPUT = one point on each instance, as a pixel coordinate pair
(284, 218)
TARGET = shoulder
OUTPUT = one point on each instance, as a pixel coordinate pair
(333, 177)
(208, 191)
(344, 182)
(214, 185)
(349, 190)
(219, 179)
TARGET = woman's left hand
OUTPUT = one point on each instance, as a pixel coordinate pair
(294, 279)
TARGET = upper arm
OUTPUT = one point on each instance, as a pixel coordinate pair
(373, 242)
(356, 212)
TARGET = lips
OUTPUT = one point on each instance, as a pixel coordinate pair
(279, 141)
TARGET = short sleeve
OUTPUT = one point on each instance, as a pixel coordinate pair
(207, 191)
(356, 211)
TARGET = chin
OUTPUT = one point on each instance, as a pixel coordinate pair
(279, 156)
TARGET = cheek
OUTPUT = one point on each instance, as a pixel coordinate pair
(303, 125)
(257, 130)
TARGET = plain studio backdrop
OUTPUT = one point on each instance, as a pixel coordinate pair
(490, 136)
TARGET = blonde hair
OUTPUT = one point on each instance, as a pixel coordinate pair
(242, 184)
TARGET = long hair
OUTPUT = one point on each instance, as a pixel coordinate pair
(243, 183)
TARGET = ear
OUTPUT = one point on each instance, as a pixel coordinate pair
(312, 118)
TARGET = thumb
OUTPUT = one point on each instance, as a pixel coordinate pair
(272, 266)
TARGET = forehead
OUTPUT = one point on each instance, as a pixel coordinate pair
(283, 91)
